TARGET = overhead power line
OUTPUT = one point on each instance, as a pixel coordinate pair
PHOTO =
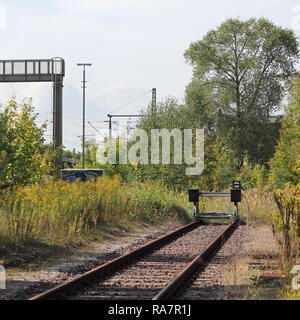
(131, 101)
(89, 122)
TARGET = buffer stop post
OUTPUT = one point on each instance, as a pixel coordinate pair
(235, 197)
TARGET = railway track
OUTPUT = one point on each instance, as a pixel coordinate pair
(159, 270)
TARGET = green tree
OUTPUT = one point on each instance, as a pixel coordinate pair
(199, 108)
(243, 65)
(284, 166)
(24, 157)
(169, 114)
(125, 171)
(224, 172)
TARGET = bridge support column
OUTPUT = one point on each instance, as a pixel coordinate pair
(57, 115)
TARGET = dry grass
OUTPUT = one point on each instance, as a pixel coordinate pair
(255, 208)
(241, 280)
(60, 213)
(237, 279)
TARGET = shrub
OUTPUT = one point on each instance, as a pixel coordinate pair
(286, 219)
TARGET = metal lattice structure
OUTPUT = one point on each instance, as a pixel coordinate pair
(39, 70)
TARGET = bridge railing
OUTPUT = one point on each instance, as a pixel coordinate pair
(31, 70)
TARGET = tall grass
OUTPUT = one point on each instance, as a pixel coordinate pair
(256, 206)
(60, 211)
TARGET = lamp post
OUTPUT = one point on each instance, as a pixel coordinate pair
(83, 105)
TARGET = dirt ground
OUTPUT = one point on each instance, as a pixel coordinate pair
(260, 253)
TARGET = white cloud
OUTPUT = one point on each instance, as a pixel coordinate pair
(296, 18)
(107, 5)
(39, 92)
(110, 97)
(92, 5)
(118, 88)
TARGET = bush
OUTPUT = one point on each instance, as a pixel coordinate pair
(286, 219)
(24, 158)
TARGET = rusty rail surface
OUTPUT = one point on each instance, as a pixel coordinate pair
(113, 265)
(199, 261)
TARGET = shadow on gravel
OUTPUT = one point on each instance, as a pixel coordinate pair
(27, 257)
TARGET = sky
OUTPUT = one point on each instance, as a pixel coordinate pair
(133, 45)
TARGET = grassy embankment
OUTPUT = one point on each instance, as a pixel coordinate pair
(59, 215)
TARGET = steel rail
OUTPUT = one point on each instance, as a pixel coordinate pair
(104, 269)
(199, 261)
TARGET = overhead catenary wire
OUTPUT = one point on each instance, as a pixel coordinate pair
(123, 106)
(69, 120)
(89, 122)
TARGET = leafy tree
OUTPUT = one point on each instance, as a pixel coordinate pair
(260, 176)
(169, 115)
(246, 175)
(67, 154)
(286, 161)
(243, 65)
(218, 168)
(125, 171)
(24, 158)
(224, 172)
(199, 108)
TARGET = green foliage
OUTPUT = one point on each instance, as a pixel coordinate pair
(253, 176)
(169, 115)
(285, 175)
(219, 169)
(75, 156)
(199, 110)
(224, 172)
(246, 175)
(286, 161)
(24, 158)
(260, 176)
(126, 171)
(242, 64)
(286, 220)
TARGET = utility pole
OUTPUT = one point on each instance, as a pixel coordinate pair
(83, 107)
(109, 126)
(56, 67)
(153, 100)
(110, 116)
